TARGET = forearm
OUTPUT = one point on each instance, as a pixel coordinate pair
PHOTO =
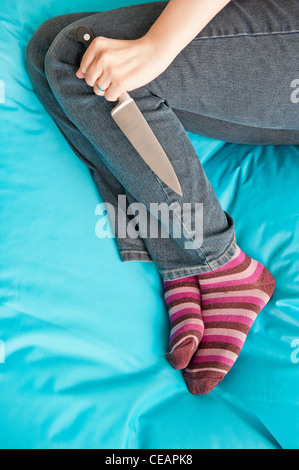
(181, 21)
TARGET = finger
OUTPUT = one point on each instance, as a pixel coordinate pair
(101, 86)
(80, 74)
(113, 93)
(113, 88)
(93, 73)
(88, 58)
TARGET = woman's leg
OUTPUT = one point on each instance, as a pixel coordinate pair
(186, 328)
(91, 115)
(108, 186)
(184, 301)
(143, 97)
(236, 133)
(242, 70)
(251, 42)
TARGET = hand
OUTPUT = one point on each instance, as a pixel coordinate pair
(118, 65)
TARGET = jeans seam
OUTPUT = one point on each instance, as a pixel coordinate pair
(240, 35)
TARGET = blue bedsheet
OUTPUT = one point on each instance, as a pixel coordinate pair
(84, 335)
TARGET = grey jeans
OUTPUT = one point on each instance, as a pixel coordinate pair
(232, 82)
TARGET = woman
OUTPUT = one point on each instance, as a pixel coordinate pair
(213, 67)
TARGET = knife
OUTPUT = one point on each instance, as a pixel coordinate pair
(133, 124)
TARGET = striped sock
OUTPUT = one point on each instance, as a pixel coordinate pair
(232, 297)
(182, 298)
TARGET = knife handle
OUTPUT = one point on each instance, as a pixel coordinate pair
(86, 35)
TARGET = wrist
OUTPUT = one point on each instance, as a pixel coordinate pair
(160, 50)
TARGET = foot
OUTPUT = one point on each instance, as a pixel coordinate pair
(182, 298)
(232, 297)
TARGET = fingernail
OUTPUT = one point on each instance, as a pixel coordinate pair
(80, 74)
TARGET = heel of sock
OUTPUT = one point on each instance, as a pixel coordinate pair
(268, 282)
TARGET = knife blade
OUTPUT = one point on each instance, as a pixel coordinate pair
(134, 126)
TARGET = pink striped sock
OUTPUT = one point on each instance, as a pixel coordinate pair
(182, 298)
(232, 297)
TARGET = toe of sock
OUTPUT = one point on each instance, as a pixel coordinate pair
(201, 386)
(182, 355)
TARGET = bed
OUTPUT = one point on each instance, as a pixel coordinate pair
(81, 367)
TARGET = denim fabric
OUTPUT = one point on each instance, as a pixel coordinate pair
(232, 82)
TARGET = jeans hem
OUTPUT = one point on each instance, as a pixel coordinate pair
(173, 274)
(134, 255)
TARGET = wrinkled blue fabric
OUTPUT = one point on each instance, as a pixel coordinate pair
(83, 335)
